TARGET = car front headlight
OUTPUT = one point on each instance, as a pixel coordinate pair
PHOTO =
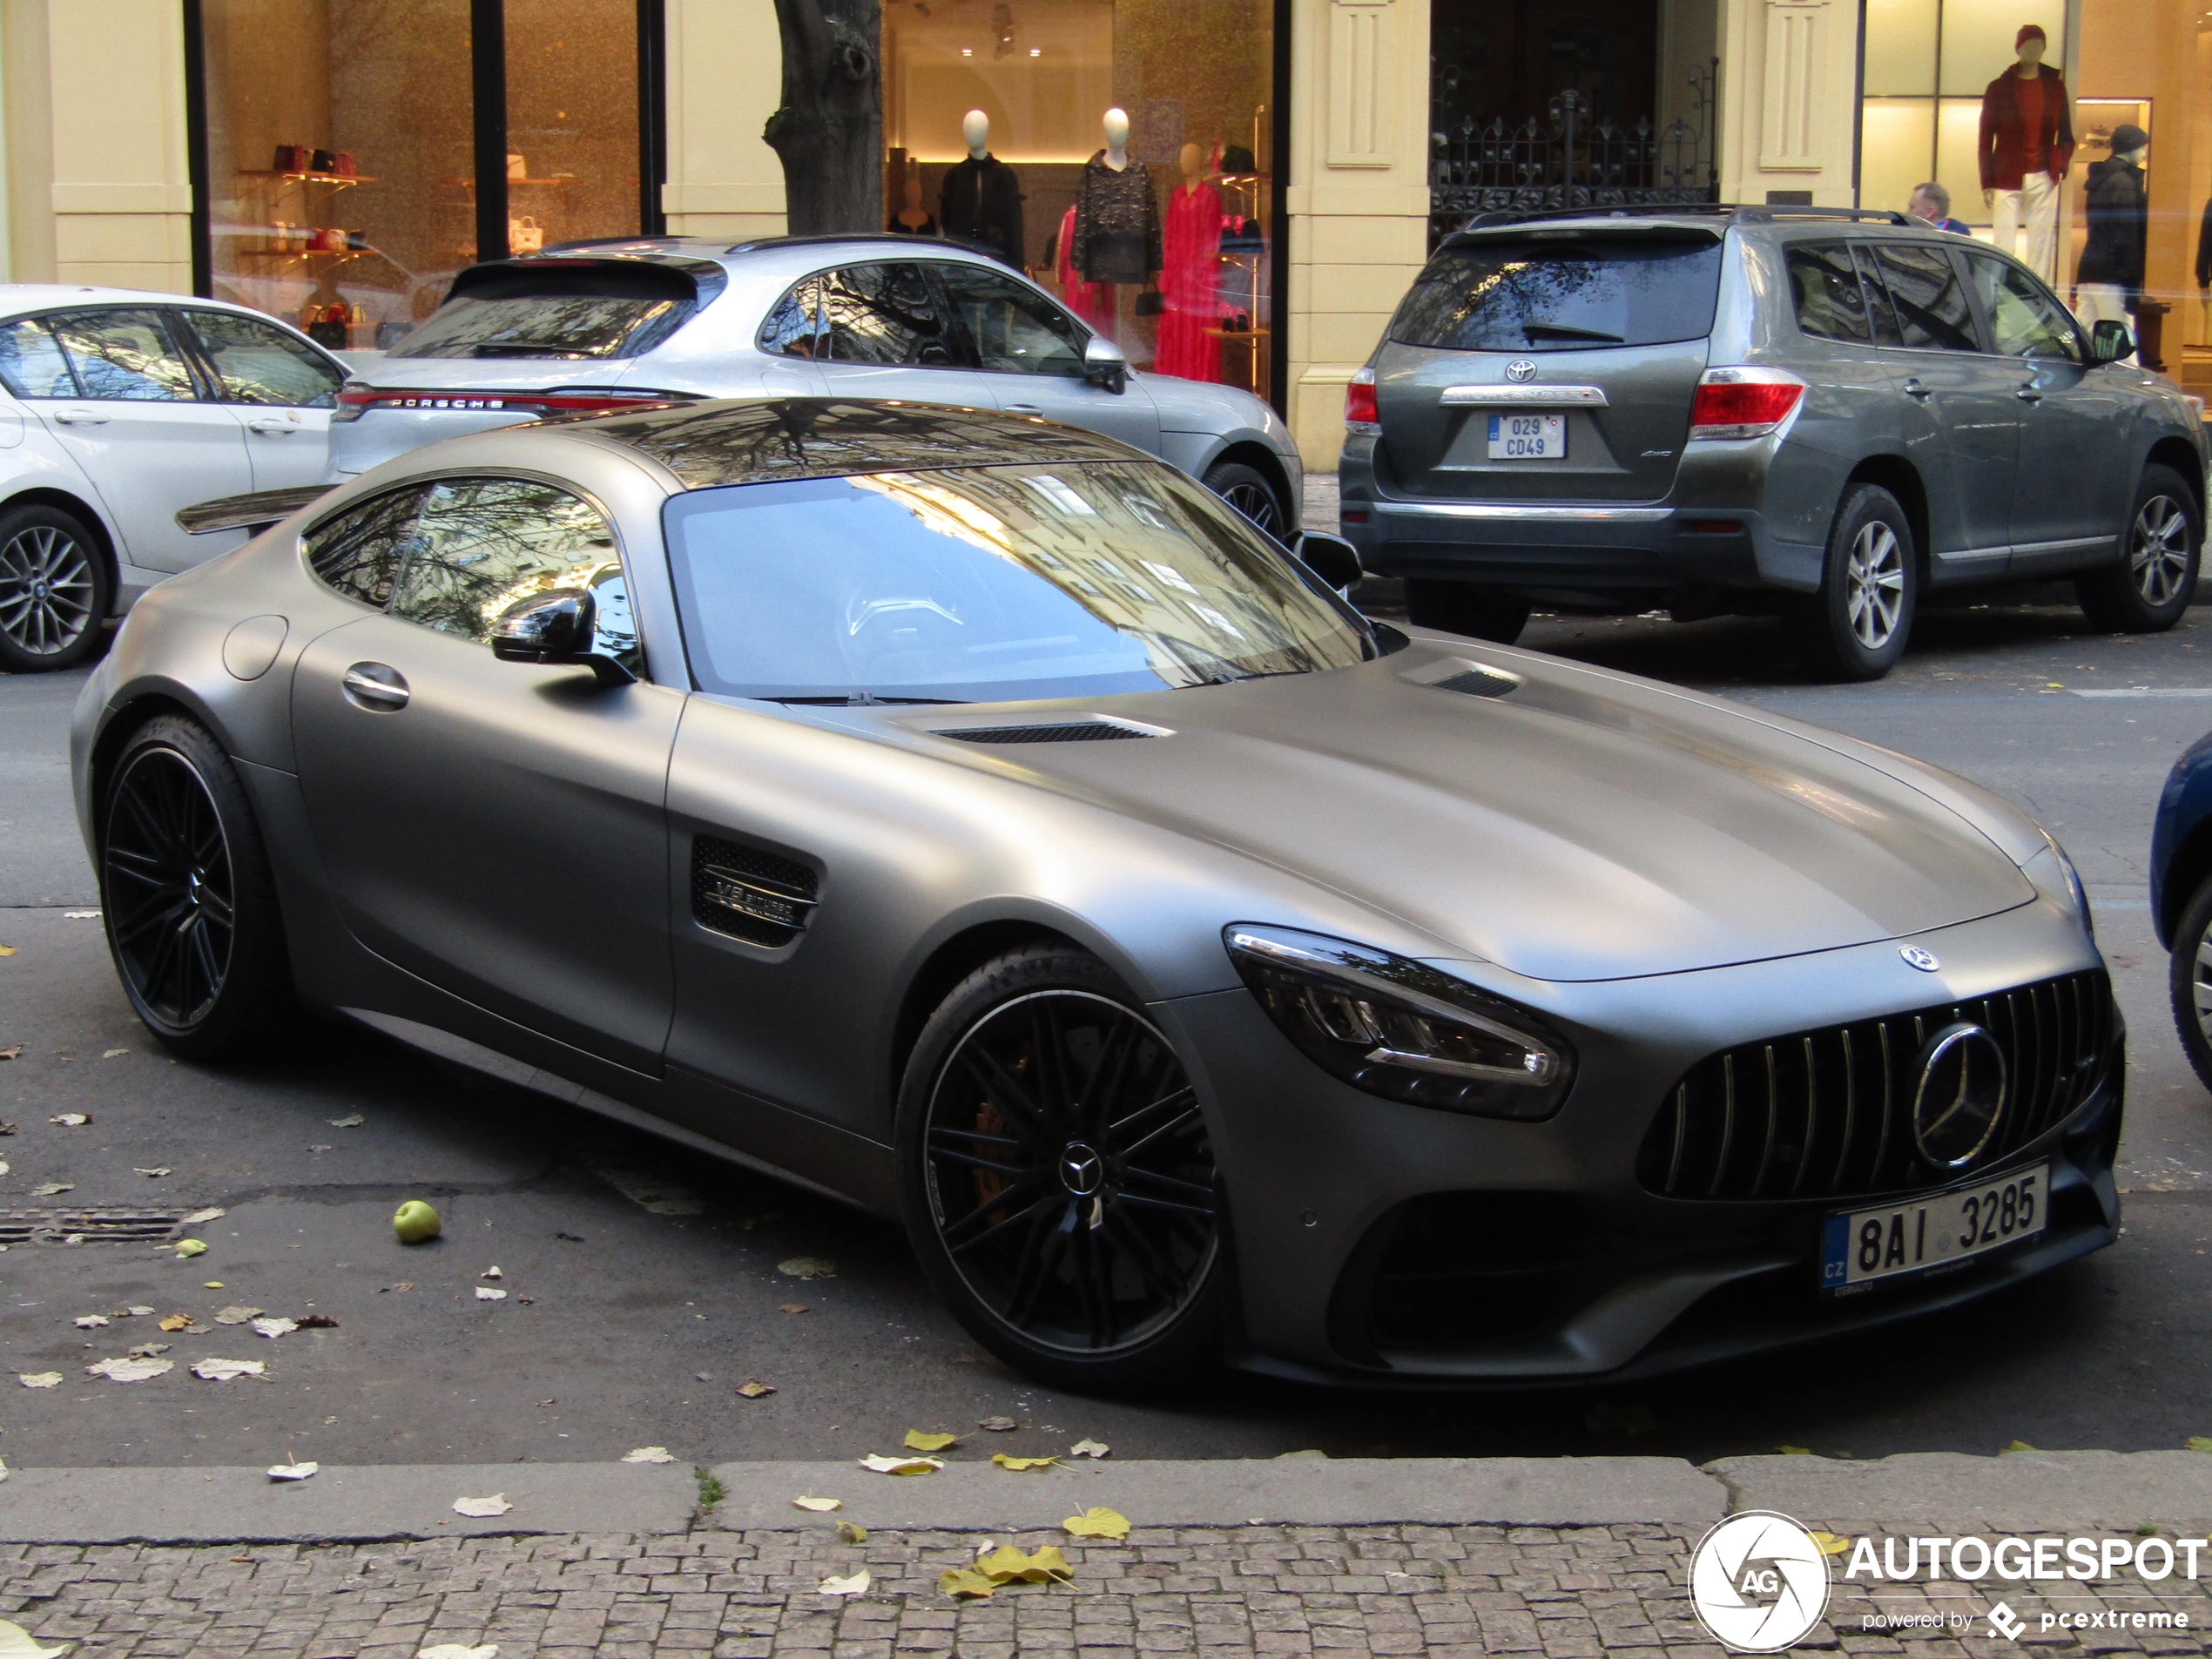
(1399, 1028)
(2055, 858)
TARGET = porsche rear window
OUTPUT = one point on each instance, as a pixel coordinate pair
(1568, 293)
(556, 325)
(984, 584)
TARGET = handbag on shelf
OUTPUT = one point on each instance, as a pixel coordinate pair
(1150, 303)
(322, 161)
(516, 167)
(341, 164)
(524, 235)
(291, 157)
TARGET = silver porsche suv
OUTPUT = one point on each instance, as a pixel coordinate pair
(1822, 413)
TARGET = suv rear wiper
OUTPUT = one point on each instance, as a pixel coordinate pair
(863, 699)
(1567, 331)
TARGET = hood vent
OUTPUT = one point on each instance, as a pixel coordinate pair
(1478, 682)
(1057, 731)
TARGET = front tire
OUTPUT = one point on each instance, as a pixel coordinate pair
(191, 910)
(2189, 981)
(1462, 608)
(1057, 1177)
(1246, 489)
(1855, 627)
(54, 589)
(2148, 588)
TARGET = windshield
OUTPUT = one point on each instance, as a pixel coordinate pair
(1577, 292)
(556, 326)
(992, 584)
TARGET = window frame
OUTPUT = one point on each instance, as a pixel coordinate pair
(1950, 256)
(1843, 246)
(1083, 333)
(75, 378)
(1987, 325)
(203, 387)
(203, 358)
(955, 326)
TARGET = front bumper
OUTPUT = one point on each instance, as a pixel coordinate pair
(1377, 1242)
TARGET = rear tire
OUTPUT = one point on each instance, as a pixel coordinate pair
(1855, 627)
(2147, 589)
(2189, 981)
(190, 906)
(1246, 489)
(1057, 1179)
(54, 589)
(1462, 608)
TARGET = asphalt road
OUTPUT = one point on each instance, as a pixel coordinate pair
(643, 1285)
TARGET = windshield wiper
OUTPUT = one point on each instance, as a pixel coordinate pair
(1567, 331)
(863, 699)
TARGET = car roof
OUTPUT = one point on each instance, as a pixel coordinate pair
(34, 296)
(1717, 220)
(760, 440)
(765, 255)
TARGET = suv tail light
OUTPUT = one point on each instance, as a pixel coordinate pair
(357, 400)
(1744, 402)
(1360, 415)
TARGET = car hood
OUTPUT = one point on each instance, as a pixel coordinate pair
(1581, 826)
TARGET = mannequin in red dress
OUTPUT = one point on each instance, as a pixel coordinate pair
(1086, 299)
(1189, 280)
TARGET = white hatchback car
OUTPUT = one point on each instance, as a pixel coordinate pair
(116, 408)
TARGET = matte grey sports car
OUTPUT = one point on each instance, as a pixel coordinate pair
(977, 821)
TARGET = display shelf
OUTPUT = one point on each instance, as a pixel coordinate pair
(307, 178)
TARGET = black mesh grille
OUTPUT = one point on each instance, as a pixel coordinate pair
(1828, 1114)
(1475, 683)
(749, 895)
(1069, 732)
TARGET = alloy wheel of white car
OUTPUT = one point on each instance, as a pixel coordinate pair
(49, 595)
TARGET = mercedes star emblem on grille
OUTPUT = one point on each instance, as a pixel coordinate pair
(1521, 369)
(1961, 1095)
(1923, 960)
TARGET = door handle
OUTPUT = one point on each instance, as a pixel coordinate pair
(1023, 409)
(1914, 389)
(272, 423)
(80, 417)
(2028, 394)
(376, 688)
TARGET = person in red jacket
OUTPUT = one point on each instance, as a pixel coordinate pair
(2026, 141)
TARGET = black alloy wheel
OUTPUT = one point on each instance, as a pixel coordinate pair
(191, 912)
(1059, 1178)
(54, 591)
(1247, 489)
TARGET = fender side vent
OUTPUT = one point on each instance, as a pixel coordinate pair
(1067, 732)
(1475, 683)
(749, 895)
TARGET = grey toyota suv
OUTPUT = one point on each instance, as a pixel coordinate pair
(1823, 414)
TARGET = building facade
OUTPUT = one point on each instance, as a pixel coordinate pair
(334, 161)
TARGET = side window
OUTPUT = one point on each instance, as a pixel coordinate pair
(884, 313)
(482, 544)
(257, 363)
(31, 363)
(1931, 310)
(1880, 313)
(125, 354)
(1831, 301)
(2024, 321)
(360, 552)
(790, 329)
(1013, 328)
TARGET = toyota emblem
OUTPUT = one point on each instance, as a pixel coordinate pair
(1961, 1095)
(1521, 370)
(1915, 957)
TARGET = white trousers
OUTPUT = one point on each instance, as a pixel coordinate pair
(2036, 204)
(2093, 301)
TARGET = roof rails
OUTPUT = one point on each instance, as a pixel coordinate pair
(887, 238)
(1746, 213)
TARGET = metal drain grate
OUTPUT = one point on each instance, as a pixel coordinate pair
(88, 1226)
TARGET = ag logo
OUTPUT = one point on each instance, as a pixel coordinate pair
(1758, 1581)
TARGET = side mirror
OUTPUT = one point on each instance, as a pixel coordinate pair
(1105, 365)
(2110, 340)
(1331, 557)
(556, 626)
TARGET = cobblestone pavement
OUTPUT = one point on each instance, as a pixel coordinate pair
(1257, 1589)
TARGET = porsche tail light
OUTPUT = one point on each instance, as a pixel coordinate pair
(357, 400)
(1744, 402)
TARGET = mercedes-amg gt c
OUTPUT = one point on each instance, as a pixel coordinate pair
(976, 820)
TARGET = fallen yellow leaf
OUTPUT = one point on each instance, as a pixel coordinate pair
(856, 1584)
(175, 1322)
(1022, 1465)
(190, 1247)
(2017, 1446)
(917, 1440)
(7, 950)
(882, 1465)
(2200, 1443)
(755, 1390)
(1831, 1543)
(967, 1584)
(819, 1506)
(1005, 1564)
(850, 1532)
(1795, 1450)
(1096, 1523)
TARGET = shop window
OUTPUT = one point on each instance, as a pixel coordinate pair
(997, 132)
(339, 185)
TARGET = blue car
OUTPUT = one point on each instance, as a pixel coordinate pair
(2180, 896)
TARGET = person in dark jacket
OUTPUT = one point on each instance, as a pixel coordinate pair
(2110, 277)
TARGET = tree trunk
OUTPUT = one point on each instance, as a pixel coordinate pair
(829, 132)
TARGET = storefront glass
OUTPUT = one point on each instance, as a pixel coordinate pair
(340, 142)
(1004, 120)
